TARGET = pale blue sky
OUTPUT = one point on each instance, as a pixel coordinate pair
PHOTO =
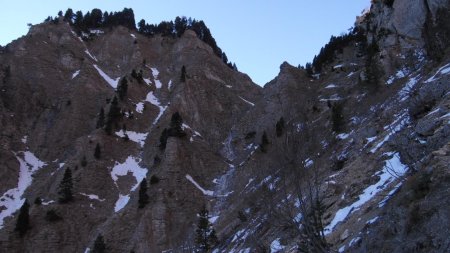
(258, 35)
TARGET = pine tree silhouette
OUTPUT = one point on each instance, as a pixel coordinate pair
(23, 221)
(264, 142)
(99, 245)
(97, 151)
(176, 123)
(65, 187)
(163, 139)
(183, 74)
(205, 234)
(113, 115)
(122, 88)
(280, 127)
(143, 196)
(337, 117)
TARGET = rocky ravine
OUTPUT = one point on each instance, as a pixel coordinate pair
(378, 157)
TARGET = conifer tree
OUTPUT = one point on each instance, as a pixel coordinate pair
(108, 127)
(373, 70)
(154, 179)
(38, 201)
(264, 142)
(113, 115)
(52, 216)
(205, 234)
(83, 161)
(134, 74)
(337, 117)
(163, 139)
(183, 74)
(309, 69)
(78, 22)
(65, 187)
(122, 88)
(180, 25)
(141, 26)
(280, 127)
(143, 196)
(68, 16)
(23, 220)
(176, 123)
(99, 245)
(97, 151)
(114, 110)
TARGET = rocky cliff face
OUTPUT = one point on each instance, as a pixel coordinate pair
(375, 156)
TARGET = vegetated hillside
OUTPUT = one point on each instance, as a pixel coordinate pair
(144, 140)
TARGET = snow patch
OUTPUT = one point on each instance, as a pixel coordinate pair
(406, 91)
(276, 246)
(241, 235)
(205, 192)
(398, 124)
(445, 116)
(121, 202)
(75, 74)
(246, 101)
(12, 199)
(132, 35)
(80, 39)
(147, 81)
(169, 85)
(392, 169)
(90, 55)
(441, 71)
(213, 219)
(331, 86)
(389, 195)
(152, 99)
(400, 74)
(46, 203)
(92, 196)
(108, 79)
(354, 240)
(308, 162)
(433, 112)
(155, 72)
(131, 164)
(334, 97)
(24, 139)
(370, 139)
(342, 136)
(371, 221)
(140, 107)
(184, 126)
(96, 31)
(139, 138)
(158, 84)
(249, 182)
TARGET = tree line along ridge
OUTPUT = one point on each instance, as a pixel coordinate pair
(95, 19)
